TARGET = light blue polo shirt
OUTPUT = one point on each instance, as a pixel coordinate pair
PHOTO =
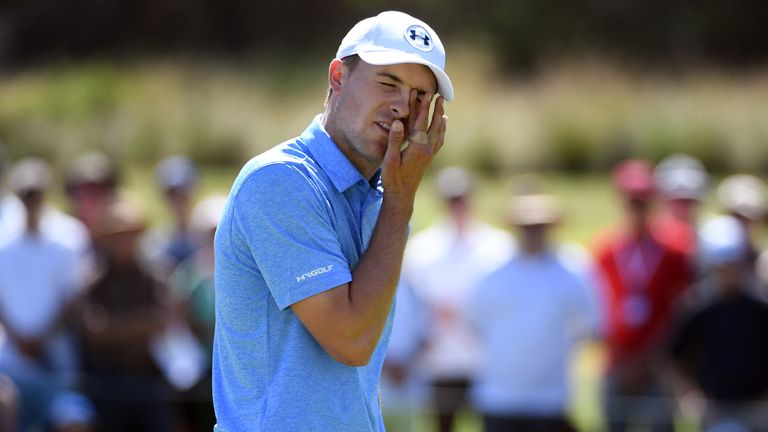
(298, 220)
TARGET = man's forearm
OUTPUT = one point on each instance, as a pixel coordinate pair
(375, 278)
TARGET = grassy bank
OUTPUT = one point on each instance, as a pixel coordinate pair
(576, 117)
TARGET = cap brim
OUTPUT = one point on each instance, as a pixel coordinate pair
(381, 58)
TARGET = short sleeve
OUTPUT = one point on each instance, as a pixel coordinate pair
(285, 217)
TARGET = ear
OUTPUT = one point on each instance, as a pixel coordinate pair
(337, 71)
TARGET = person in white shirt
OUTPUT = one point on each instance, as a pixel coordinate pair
(529, 314)
(40, 281)
(53, 223)
(442, 265)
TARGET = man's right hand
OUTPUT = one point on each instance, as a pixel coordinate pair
(403, 170)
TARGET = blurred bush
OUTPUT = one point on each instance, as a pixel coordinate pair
(577, 117)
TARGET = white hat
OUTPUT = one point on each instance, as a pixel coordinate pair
(723, 240)
(394, 38)
(30, 174)
(176, 172)
(743, 194)
(680, 176)
(533, 209)
(454, 182)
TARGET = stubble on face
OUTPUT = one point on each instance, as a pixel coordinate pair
(372, 97)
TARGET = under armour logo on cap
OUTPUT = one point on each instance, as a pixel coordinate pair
(418, 37)
(393, 37)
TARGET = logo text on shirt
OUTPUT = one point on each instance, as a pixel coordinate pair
(313, 273)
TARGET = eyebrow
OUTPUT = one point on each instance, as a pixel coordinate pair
(397, 79)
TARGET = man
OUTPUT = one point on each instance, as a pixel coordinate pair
(718, 351)
(443, 265)
(40, 287)
(641, 278)
(682, 182)
(125, 310)
(309, 248)
(743, 196)
(165, 248)
(538, 303)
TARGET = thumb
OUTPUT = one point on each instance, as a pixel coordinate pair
(396, 137)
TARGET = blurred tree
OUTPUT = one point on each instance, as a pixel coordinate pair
(524, 33)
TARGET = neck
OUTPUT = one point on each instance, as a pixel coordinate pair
(33, 221)
(534, 249)
(366, 168)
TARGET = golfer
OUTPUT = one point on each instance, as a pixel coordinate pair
(309, 248)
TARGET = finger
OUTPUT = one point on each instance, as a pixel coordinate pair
(437, 125)
(413, 107)
(441, 133)
(437, 115)
(396, 138)
(419, 111)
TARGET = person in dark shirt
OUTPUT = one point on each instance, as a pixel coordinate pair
(124, 311)
(719, 353)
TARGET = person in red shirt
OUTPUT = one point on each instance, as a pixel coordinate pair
(640, 278)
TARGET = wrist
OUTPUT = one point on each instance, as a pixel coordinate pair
(397, 207)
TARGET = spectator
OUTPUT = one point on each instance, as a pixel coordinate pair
(126, 308)
(640, 279)
(530, 313)
(719, 351)
(91, 185)
(40, 285)
(193, 285)
(53, 224)
(682, 184)
(744, 197)
(443, 264)
(177, 178)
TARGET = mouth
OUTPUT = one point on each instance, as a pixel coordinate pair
(384, 126)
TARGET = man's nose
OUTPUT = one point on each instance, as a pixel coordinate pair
(399, 105)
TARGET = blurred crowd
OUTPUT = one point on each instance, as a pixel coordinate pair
(108, 321)
(674, 296)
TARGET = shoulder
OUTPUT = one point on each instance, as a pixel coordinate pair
(503, 274)
(284, 171)
(493, 241)
(65, 229)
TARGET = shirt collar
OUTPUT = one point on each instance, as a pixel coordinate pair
(333, 162)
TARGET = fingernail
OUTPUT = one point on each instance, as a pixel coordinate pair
(397, 126)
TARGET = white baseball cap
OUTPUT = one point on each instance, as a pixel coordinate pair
(394, 37)
(743, 194)
(723, 240)
(680, 176)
